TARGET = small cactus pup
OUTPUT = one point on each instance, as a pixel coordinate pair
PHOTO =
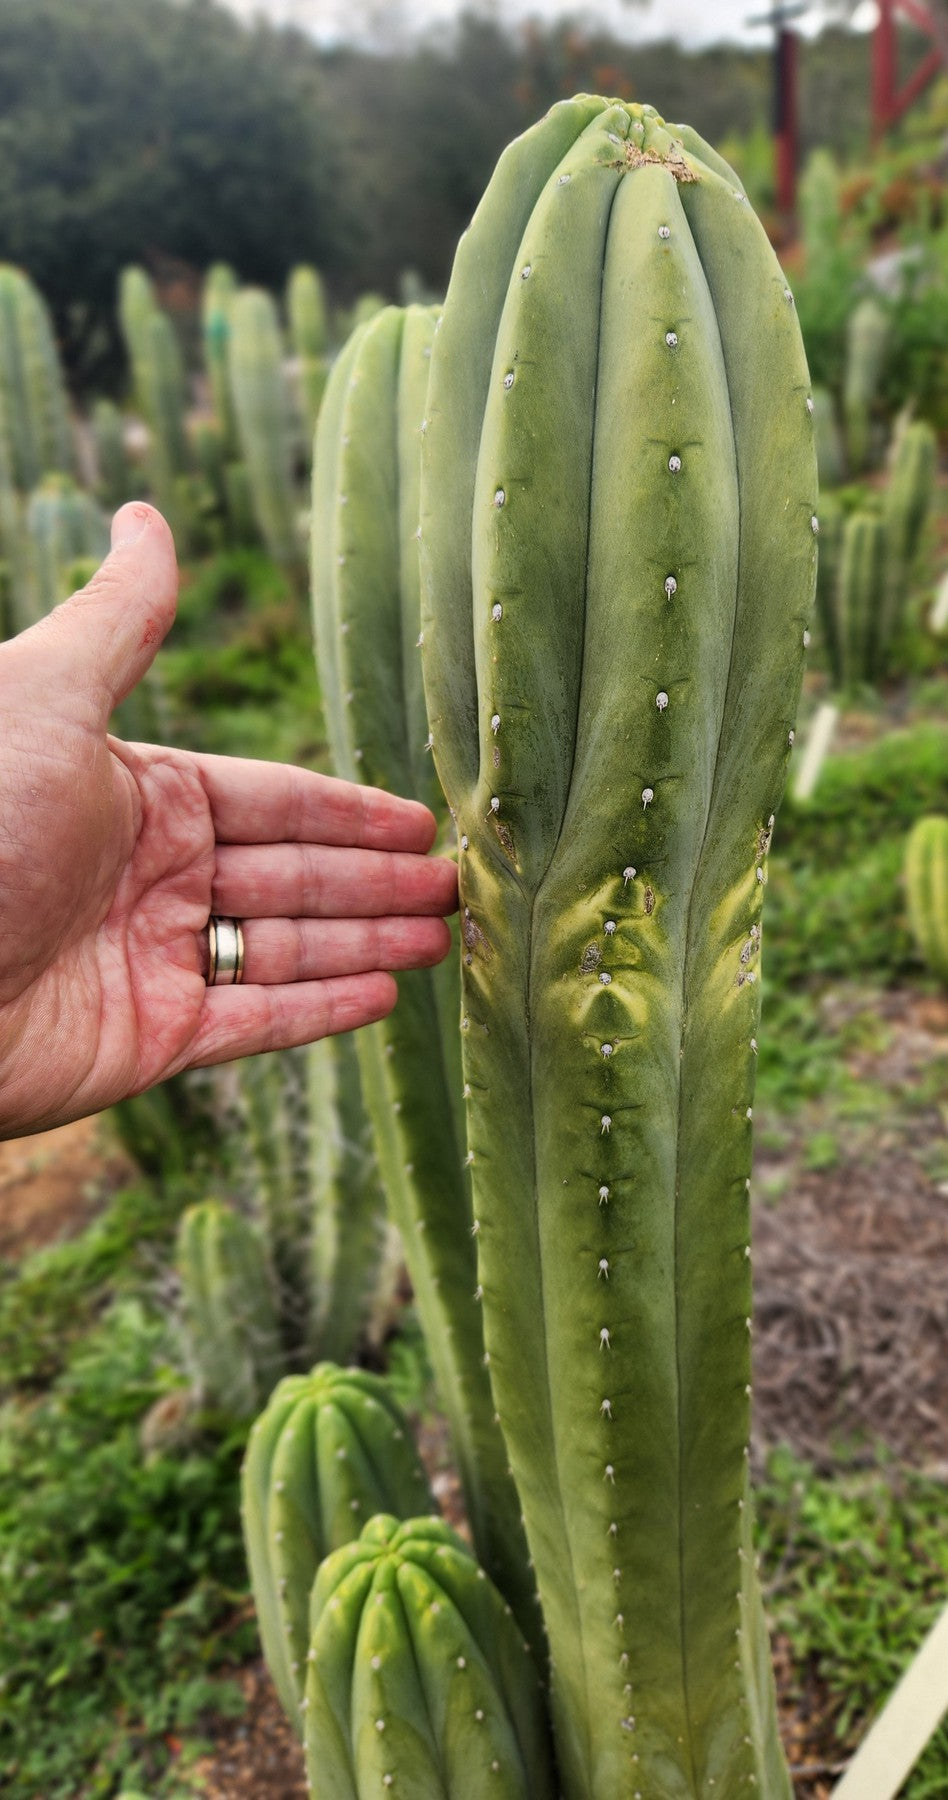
(230, 1324)
(926, 886)
(331, 1449)
(367, 615)
(418, 1681)
(618, 562)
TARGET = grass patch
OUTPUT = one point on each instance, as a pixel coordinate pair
(857, 1571)
(123, 1577)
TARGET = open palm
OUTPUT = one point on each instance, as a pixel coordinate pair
(113, 856)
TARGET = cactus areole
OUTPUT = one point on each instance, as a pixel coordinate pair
(619, 549)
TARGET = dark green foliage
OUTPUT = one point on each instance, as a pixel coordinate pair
(865, 795)
(57, 1295)
(238, 667)
(837, 904)
(136, 129)
(121, 1577)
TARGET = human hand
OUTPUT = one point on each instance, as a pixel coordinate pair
(113, 856)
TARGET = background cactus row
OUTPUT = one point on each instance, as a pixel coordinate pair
(223, 451)
(872, 548)
(300, 1263)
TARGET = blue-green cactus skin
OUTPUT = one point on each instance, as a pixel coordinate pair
(366, 607)
(331, 1449)
(618, 561)
(419, 1683)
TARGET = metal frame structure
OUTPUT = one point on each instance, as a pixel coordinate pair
(889, 99)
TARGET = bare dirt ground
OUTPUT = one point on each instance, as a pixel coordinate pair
(851, 1299)
(53, 1184)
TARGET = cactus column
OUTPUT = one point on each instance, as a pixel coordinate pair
(366, 611)
(618, 549)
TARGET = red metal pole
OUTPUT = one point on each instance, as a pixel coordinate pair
(883, 68)
(786, 146)
(889, 101)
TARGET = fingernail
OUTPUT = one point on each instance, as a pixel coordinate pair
(128, 525)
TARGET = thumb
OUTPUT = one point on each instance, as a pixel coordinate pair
(110, 631)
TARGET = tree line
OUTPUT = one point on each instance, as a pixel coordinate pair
(168, 133)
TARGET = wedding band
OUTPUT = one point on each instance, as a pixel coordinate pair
(225, 952)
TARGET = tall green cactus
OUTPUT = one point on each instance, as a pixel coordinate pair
(347, 1238)
(35, 428)
(114, 480)
(867, 340)
(220, 289)
(310, 1177)
(261, 405)
(832, 521)
(906, 506)
(309, 333)
(331, 1449)
(829, 445)
(66, 537)
(228, 1307)
(618, 554)
(926, 886)
(860, 596)
(417, 1679)
(159, 385)
(367, 615)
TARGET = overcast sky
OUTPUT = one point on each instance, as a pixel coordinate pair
(693, 22)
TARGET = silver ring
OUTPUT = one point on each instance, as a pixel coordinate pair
(225, 952)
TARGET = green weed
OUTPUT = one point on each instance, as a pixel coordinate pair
(858, 1571)
(123, 1579)
(51, 1300)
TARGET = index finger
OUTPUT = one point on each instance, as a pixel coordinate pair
(256, 802)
